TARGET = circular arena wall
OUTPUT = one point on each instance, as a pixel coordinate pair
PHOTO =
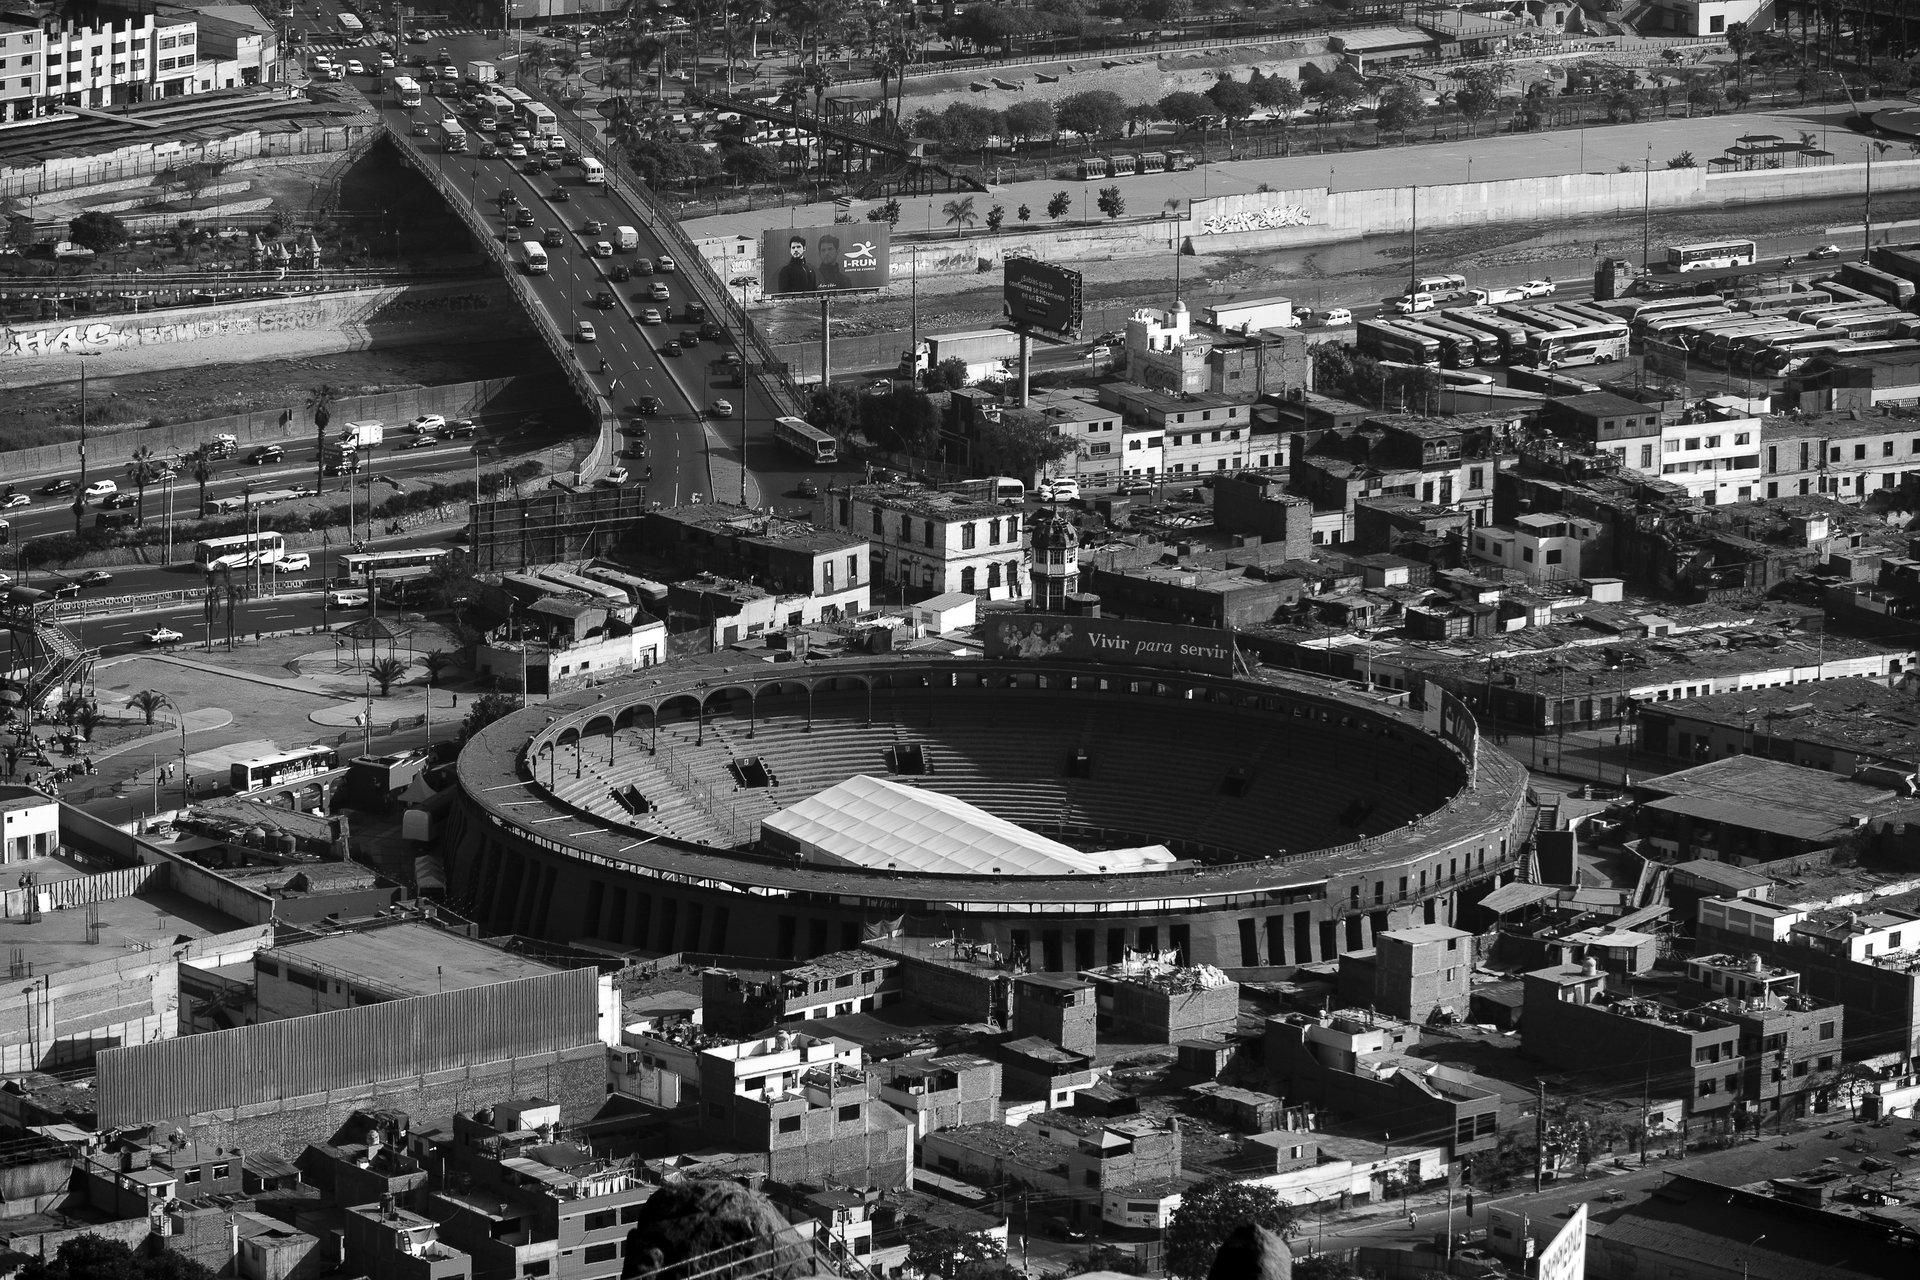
(627, 817)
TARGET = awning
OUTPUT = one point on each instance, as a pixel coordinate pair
(1511, 897)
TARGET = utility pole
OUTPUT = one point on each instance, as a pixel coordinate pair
(1539, 1134)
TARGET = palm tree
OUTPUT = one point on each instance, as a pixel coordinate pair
(645, 52)
(535, 59)
(201, 463)
(150, 703)
(143, 468)
(320, 408)
(87, 719)
(385, 672)
(566, 62)
(959, 213)
(435, 662)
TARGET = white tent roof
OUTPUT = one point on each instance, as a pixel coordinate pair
(872, 822)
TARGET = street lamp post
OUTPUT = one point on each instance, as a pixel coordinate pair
(1744, 1253)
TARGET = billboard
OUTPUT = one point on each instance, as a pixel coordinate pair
(1033, 636)
(829, 259)
(1042, 296)
(1565, 1256)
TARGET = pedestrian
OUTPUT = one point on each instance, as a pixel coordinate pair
(1409, 1219)
(1469, 1204)
(456, 699)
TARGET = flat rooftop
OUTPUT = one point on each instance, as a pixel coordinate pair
(151, 920)
(1767, 795)
(414, 958)
(1856, 714)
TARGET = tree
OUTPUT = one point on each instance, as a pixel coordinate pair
(1739, 39)
(143, 468)
(92, 1257)
(959, 213)
(1684, 160)
(1279, 94)
(1399, 110)
(88, 718)
(450, 580)
(1024, 213)
(97, 231)
(888, 213)
(1106, 1257)
(750, 164)
(949, 375)
(150, 703)
(320, 410)
(435, 662)
(1095, 113)
(996, 216)
(962, 127)
(201, 463)
(197, 177)
(1232, 99)
(1057, 206)
(487, 708)
(1209, 1213)
(944, 1252)
(1031, 119)
(1021, 443)
(993, 26)
(1111, 202)
(385, 672)
(1186, 108)
(835, 409)
(1705, 95)
(1476, 98)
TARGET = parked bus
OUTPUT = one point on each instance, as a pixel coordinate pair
(1486, 346)
(453, 137)
(1711, 254)
(1589, 312)
(1786, 359)
(1511, 335)
(1003, 490)
(407, 90)
(1535, 319)
(1598, 344)
(1652, 309)
(1457, 351)
(1838, 291)
(1440, 284)
(351, 24)
(1385, 341)
(533, 258)
(1888, 324)
(213, 554)
(1720, 345)
(1883, 285)
(807, 440)
(1842, 311)
(1674, 323)
(288, 766)
(357, 567)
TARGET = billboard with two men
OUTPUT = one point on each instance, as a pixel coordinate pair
(842, 256)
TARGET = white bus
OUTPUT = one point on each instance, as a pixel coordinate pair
(533, 258)
(359, 567)
(453, 137)
(540, 120)
(592, 171)
(214, 554)
(407, 90)
(1598, 344)
(351, 24)
(1004, 490)
(807, 440)
(288, 766)
(1711, 254)
(1440, 284)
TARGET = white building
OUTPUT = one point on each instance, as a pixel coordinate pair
(1715, 461)
(135, 59)
(29, 828)
(928, 543)
(237, 46)
(1539, 547)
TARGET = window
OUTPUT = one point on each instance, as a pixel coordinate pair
(929, 533)
(849, 1113)
(1709, 1087)
(967, 580)
(1713, 442)
(1693, 442)
(540, 1268)
(1859, 453)
(1553, 555)
(1706, 1053)
(1833, 455)
(190, 1177)
(1741, 437)
(969, 537)
(878, 527)
(602, 1220)
(1826, 1062)
(788, 1124)
(222, 1170)
(1886, 448)
(993, 533)
(1826, 1031)
(602, 1252)
(1646, 455)
(853, 571)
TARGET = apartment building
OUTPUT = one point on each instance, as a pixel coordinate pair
(1198, 432)
(1543, 547)
(746, 1002)
(927, 543)
(802, 1110)
(1106, 450)
(1844, 455)
(119, 60)
(1789, 1040)
(812, 575)
(1442, 462)
(941, 1091)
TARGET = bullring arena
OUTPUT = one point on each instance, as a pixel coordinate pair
(1303, 821)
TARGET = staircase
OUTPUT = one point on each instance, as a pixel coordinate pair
(65, 660)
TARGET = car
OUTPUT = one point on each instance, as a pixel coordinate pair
(554, 238)
(488, 151)
(619, 273)
(354, 68)
(603, 301)
(550, 161)
(1100, 352)
(731, 359)
(1336, 316)
(742, 282)
(650, 316)
(602, 249)
(584, 332)
(669, 348)
(1825, 251)
(119, 501)
(591, 227)
(722, 409)
(1126, 488)
(461, 428)
(533, 166)
(486, 123)
(1537, 288)
(689, 338)
(1059, 489)
(425, 422)
(523, 216)
(418, 442)
(95, 578)
(711, 331)
(386, 62)
(615, 477)
(643, 266)
(102, 488)
(561, 195)
(347, 599)
(512, 236)
(660, 293)
(294, 562)
(664, 265)
(523, 134)
(515, 151)
(264, 454)
(647, 406)
(17, 500)
(807, 488)
(162, 635)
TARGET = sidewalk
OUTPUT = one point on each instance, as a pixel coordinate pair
(197, 721)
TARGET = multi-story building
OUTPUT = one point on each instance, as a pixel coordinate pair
(1543, 547)
(237, 47)
(1421, 970)
(1444, 462)
(1199, 432)
(1844, 455)
(1572, 1022)
(741, 1002)
(1165, 353)
(119, 60)
(1101, 442)
(1263, 506)
(1056, 1008)
(927, 543)
(1714, 459)
(940, 1091)
(1151, 996)
(813, 575)
(1074, 1156)
(1788, 1040)
(1601, 422)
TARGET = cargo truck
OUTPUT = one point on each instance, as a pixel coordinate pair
(1251, 315)
(363, 435)
(626, 239)
(985, 351)
(482, 73)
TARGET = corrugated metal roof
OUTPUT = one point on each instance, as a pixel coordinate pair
(1511, 897)
(1751, 817)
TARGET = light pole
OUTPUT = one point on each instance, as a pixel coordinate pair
(1744, 1253)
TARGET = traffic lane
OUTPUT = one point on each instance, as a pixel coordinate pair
(137, 580)
(125, 633)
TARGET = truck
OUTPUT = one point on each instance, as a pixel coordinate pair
(626, 239)
(985, 351)
(1251, 315)
(1498, 293)
(341, 459)
(482, 73)
(363, 435)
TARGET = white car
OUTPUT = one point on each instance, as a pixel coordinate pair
(660, 293)
(1537, 288)
(664, 265)
(602, 249)
(386, 62)
(347, 599)
(516, 151)
(354, 68)
(584, 332)
(615, 477)
(1100, 352)
(19, 500)
(427, 422)
(723, 408)
(1060, 489)
(294, 562)
(1337, 315)
(102, 489)
(650, 316)
(161, 635)
(1825, 251)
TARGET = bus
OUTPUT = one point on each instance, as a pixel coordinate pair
(1676, 322)
(452, 136)
(1511, 335)
(1002, 490)
(1440, 284)
(351, 24)
(1589, 312)
(1484, 347)
(541, 122)
(361, 567)
(533, 258)
(1888, 324)
(1720, 345)
(407, 90)
(1385, 341)
(1597, 344)
(807, 440)
(1787, 358)
(214, 554)
(1711, 254)
(519, 102)
(1883, 285)
(288, 766)
(1653, 308)
(1535, 319)
(1457, 351)
(1838, 292)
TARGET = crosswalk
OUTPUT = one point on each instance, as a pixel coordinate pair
(370, 41)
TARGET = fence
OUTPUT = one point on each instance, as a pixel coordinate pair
(76, 891)
(172, 150)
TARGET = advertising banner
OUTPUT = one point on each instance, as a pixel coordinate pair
(1043, 296)
(1033, 636)
(829, 259)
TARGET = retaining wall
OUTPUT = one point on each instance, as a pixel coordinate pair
(65, 173)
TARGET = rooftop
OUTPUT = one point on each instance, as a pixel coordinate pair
(1857, 714)
(833, 965)
(1768, 795)
(933, 504)
(412, 959)
(948, 953)
(750, 525)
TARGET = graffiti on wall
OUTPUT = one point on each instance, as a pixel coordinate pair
(1272, 218)
(69, 339)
